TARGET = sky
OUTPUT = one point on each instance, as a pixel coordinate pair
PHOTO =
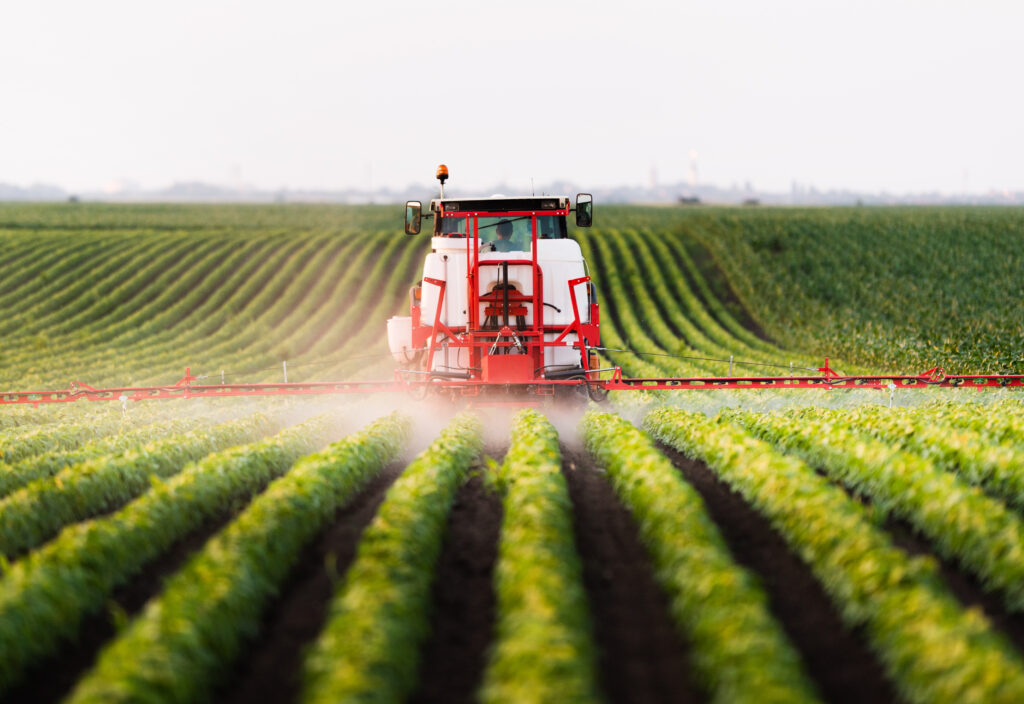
(899, 96)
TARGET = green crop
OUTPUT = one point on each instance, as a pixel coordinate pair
(740, 652)
(932, 648)
(369, 649)
(543, 650)
(964, 524)
(39, 510)
(188, 636)
(45, 595)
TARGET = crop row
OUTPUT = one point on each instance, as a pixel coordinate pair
(46, 266)
(65, 295)
(965, 525)
(543, 651)
(167, 279)
(116, 337)
(368, 650)
(946, 292)
(739, 651)
(240, 308)
(933, 649)
(1000, 422)
(37, 511)
(186, 638)
(49, 463)
(22, 442)
(45, 595)
(238, 317)
(996, 465)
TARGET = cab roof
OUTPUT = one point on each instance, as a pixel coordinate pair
(499, 204)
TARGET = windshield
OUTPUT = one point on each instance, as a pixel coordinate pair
(514, 230)
(507, 234)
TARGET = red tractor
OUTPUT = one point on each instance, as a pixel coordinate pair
(504, 300)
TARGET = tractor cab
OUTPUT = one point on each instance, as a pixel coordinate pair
(504, 297)
(501, 231)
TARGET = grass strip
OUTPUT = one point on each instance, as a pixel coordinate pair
(45, 596)
(933, 649)
(965, 525)
(377, 620)
(188, 636)
(739, 650)
(543, 650)
(38, 511)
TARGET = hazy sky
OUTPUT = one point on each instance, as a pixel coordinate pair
(897, 95)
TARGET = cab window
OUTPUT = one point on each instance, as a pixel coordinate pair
(550, 227)
(508, 233)
(453, 226)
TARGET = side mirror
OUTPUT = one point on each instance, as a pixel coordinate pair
(413, 217)
(584, 210)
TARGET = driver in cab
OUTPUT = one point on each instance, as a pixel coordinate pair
(504, 241)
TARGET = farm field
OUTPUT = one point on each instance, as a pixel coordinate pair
(676, 546)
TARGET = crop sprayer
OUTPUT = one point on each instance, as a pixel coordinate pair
(505, 311)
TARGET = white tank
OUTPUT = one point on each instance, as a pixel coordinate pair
(560, 260)
(400, 337)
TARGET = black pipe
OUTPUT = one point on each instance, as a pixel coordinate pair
(504, 275)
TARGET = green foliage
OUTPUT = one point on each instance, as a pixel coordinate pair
(47, 464)
(136, 292)
(933, 432)
(189, 635)
(45, 595)
(115, 295)
(964, 524)
(18, 444)
(543, 650)
(369, 649)
(1002, 421)
(932, 648)
(39, 510)
(739, 651)
(900, 288)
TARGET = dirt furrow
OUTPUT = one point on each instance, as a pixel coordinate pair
(271, 670)
(462, 624)
(964, 586)
(641, 656)
(53, 679)
(836, 658)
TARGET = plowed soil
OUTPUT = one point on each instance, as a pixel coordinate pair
(964, 586)
(641, 656)
(52, 679)
(836, 658)
(271, 671)
(454, 656)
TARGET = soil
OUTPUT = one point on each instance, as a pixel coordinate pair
(836, 658)
(271, 670)
(642, 658)
(462, 624)
(964, 586)
(52, 679)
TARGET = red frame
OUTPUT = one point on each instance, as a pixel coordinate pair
(483, 365)
(828, 379)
